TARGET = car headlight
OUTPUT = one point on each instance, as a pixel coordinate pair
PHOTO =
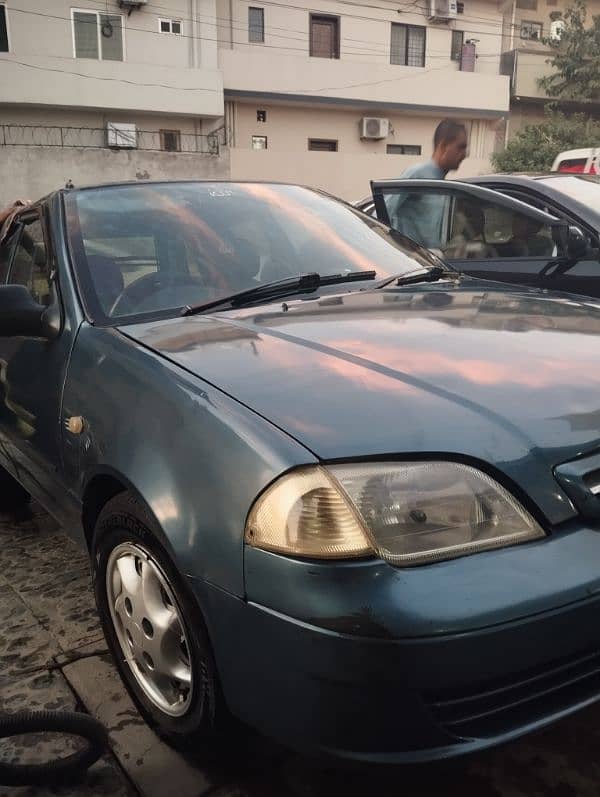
(406, 513)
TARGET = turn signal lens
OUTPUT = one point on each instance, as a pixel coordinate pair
(306, 514)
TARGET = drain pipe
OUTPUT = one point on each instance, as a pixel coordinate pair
(194, 36)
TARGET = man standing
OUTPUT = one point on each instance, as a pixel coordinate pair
(420, 216)
(449, 151)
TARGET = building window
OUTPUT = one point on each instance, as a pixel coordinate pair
(3, 30)
(527, 5)
(261, 116)
(531, 30)
(256, 25)
(97, 35)
(170, 140)
(408, 45)
(458, 37)
(403, 149)
(259, 142)
(322, 145)
(324, 36)
(170, 26)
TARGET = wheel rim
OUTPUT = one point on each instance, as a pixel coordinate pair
(149, 626)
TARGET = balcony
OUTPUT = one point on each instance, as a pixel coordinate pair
(347, 83)
(524, 68)
(110, 85)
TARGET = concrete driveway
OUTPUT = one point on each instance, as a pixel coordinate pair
(52, 655)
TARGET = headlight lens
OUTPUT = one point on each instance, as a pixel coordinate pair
(407, 513)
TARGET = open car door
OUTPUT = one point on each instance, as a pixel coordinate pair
(481, 232)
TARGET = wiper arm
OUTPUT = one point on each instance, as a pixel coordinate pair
(430, 275)
(303, 283)
(558, 266)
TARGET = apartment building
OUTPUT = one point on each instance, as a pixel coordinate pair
(526, 25)
(341, 92)
(94, 90)
(331, 95)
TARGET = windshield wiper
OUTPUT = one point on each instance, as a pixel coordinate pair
(303, 283)
(430, 275)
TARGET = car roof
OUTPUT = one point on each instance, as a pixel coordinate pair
(584, 152)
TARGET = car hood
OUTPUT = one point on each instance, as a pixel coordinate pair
(507, 377)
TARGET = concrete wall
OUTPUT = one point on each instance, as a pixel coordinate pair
(347, 176)
(32, 172)
(377, 83)
(160, 71)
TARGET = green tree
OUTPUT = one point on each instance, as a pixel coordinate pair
(576, 58)
(534, 147)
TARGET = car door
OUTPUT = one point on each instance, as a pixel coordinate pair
(32, 370)
(584, 276)
(478, 231)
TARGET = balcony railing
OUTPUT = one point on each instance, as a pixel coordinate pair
(98, 138)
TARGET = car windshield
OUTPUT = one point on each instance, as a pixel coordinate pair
(582, 188)
(152, 249)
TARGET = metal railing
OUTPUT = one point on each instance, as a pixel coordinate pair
(100, 138)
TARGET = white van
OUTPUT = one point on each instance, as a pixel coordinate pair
(578, 161)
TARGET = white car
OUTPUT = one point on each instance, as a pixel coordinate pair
(578, 161)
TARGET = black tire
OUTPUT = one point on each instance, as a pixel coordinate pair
(62, 770)
(125, 520)
(12, 495)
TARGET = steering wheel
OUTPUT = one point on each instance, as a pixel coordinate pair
(143, 288)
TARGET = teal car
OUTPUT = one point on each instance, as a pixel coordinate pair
(330, 487)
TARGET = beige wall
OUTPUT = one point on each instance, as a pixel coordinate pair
(288, 129)
(347, 176)
(161, 72)
(259, 71)
(365, 31)
(74, 118)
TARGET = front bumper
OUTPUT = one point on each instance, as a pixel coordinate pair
(347, 683)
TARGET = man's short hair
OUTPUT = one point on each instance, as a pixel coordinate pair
(448, 130)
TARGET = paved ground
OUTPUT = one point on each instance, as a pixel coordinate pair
(52, 655)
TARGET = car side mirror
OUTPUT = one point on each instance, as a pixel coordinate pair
(20, 314)
(578, 245)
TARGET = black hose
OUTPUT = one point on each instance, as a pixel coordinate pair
(64, 769)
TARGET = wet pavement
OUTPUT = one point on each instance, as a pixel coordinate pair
(53, 656)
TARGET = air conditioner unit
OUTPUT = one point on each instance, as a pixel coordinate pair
(121, 135)
(443, 10)
(372, 127)
(556, 30)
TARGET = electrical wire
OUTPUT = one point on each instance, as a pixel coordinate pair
(359, 51)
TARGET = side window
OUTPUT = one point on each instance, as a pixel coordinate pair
(6, 252)
(29, 263)
(462, 227)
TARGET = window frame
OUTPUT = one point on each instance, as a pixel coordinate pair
(454, 33)
(259, 149)
(407, 44)
(163, 132)
(170, 32)
(403, 146)
(535, 22)
(25, 219)
(6, 24)
(338, 30)
(99, 32)
(333, 141)
(262, 11)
